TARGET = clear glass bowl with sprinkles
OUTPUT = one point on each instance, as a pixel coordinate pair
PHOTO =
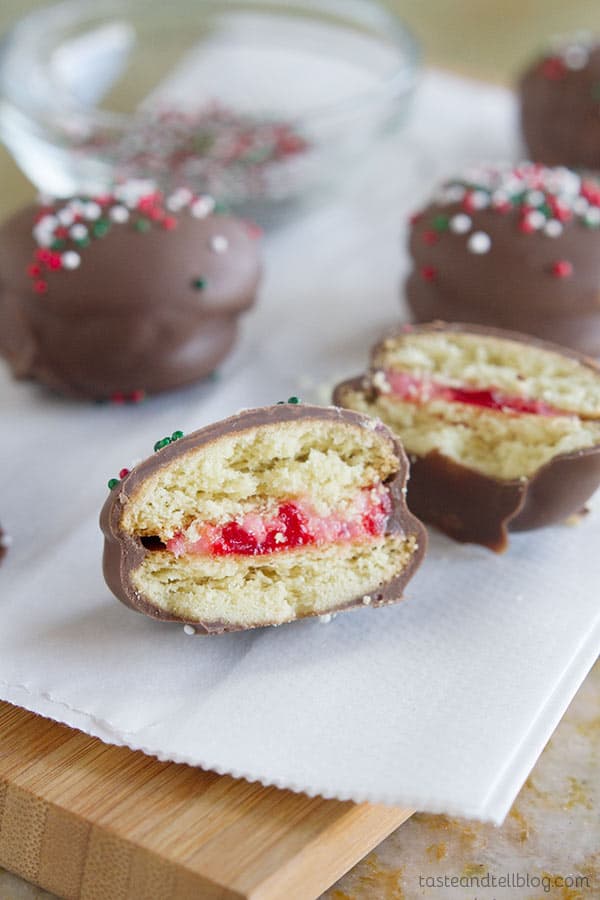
(260, 104)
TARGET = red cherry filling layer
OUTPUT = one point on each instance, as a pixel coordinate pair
(422, 390)
(292, 524)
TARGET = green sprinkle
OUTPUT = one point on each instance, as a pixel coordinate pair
(280, 403)
(112, 483)
(546, 209)
(199, 284)
(142, 225)
(162, 443)
(82, 242)
(221, 207)
(293, 400)
(441, 223)
(176, 435)
(100, 228)
(58, 244)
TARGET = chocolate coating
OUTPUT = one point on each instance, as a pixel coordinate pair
(526, 280)
(129, 318)
(472, 507)
(124, 553)
(560, 107)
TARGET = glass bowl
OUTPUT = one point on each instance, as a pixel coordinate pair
(258, 103)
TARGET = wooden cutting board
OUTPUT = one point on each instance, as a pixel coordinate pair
(87, 820)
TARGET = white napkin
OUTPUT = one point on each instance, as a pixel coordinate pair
(442, 703)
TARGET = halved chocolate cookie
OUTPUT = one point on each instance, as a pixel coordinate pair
(501, 430)
(272, 515)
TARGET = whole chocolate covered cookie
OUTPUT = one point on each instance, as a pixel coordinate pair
(116, 296)
(272, 515)
(560, 105)
(502, 431)
(516, 248)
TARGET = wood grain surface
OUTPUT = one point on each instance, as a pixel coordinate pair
(87, 820)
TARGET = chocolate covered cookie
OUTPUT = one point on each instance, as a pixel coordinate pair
(560, 105)
(116, 296)
(269, 516)
(502, 431)
(516, 248)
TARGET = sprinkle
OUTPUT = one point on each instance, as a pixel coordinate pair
(428, 273)
(325, 619)
(553, 68)
(199, 284)
(123, 473)
(535, 219)
(34, 271)
(562, 268)
(460, 223)
(441, 222)
(119, 214)
(580, 206)
(219, 243)
(293, 400)
(553, 228)
(78, 231)
(70, 259)
(65, 216)
(576, 57)
(112, 483)
(162, 443)
(92, 210)
(592, 218)
(430, 237)
(534, 198)
(176, 435)
(189, 629)
(479, 242)
(202, 206)
(40, 287)
(137, 396)
(100, 228)
(142, 225)
(54, 262)
(169, 223)
(366, 599)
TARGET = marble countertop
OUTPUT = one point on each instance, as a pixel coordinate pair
(551, 835)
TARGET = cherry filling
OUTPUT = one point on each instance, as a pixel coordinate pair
(422, 390)
(293, 524)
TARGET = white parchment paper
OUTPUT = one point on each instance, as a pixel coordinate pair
(443, 702)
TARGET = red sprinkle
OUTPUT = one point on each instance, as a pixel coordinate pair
(429, 273)
(562, 268)
(54, 262)
(40, 287)
(430, 237)
(553, 68)
(34, 271)
(117, 398)
(123, 473)
(137, 396)
(169, 223)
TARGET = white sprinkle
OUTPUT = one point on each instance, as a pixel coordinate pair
(460, 223)
(499, 198)
(178, 199)
(379, 381)
(49, 222)
(119, 213)
(479, 242)
(202, 206)
(92, 210)
(189, 629)
(66, 216)
(576, 57)
(480, 199)
(219, 243)
(280, 538)
(536, 219)
(42, 237)
(534, 198)
(366, 600)
(580, 206)
(78, 232)
(326, 619)
(70, 259)
(592, 217)
(553, 228)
